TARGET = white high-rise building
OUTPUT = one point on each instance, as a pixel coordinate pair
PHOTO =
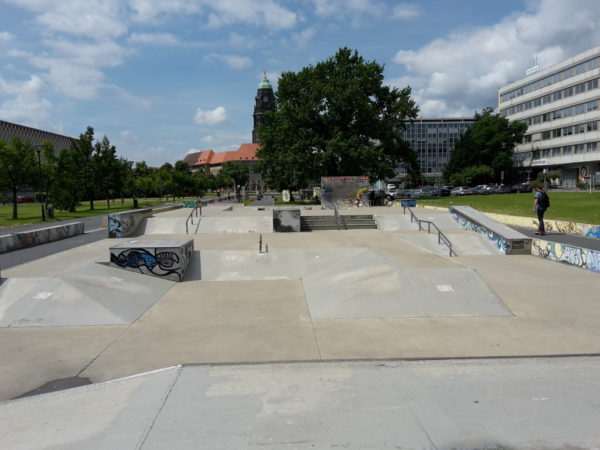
(560, 105)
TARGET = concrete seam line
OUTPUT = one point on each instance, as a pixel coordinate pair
(312, 322)
(162, 405)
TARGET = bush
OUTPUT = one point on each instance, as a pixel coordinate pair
(582, 185)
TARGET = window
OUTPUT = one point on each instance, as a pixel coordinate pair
(592, 126)
(579, 148)
(556, 151)
(567, 131)
(545, 135)
(579, 128)
(592, 146)
(567, 150)
(556, 133)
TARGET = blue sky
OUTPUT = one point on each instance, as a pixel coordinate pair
(163, 77)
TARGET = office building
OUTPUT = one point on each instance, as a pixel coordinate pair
(433, 140)
(559, 104)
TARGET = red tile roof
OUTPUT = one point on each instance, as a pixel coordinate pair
(246, 152)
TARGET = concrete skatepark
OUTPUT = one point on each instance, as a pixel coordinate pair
(357, 338)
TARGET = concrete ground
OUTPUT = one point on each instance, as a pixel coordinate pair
(481, 304)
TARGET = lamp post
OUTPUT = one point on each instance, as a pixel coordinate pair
(38, 150)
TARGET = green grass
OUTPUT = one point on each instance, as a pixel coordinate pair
(30, 213)
(580, 207)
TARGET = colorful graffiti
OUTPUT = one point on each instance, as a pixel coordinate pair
(579, 257)
(561, 226)
(120, 225)
(168, 261)
(344, 192)
(465, 223)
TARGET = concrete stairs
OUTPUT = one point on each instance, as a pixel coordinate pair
(341, 222)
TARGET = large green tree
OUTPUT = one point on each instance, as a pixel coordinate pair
(334, 118)
(488, 142)
(236, 171)
(18, 167)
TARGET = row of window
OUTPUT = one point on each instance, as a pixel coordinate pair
(566, 150)
(551, 97)
(563, 131)
(551, 79)
(561, 113)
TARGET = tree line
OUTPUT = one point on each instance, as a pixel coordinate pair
(91, 171)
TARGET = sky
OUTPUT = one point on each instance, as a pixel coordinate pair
(161, 78)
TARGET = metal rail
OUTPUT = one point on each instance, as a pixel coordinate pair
(441, 236)
(198, 210)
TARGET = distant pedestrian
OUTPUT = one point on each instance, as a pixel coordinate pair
(541, 203)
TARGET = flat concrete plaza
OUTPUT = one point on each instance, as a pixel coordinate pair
(331, 317)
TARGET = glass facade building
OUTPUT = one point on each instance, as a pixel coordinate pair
(560, 106)
(433, 140)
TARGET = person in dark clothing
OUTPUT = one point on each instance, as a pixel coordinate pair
(540, 205)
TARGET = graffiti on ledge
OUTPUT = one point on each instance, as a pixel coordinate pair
(162, 263)
(575, 256)
(120, 225)
(466, 224)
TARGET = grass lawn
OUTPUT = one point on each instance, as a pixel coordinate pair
(29, 213)
(580, 207)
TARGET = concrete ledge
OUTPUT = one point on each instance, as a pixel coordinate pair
(163, 258)
(507, 240)
(124, 223)
(31, 238)
(580, 257)
(563, 226)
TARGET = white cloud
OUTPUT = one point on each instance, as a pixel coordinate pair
(208, 139)
(462, 72)
(253, 12)
(233, 61)
(153, 39)
(149, 10)
(404, 11)
(5, 36)
(27, 104)
(344, 8)
(128, 135)
(96, 19)
(216, 116)
(303, 37)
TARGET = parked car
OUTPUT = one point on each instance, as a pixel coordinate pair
(521, 187)
(482, 189)
(461, 190)
(416, 193)
(501, 189)
(24, 199)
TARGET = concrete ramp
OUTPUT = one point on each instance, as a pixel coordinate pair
(225, 224)
(360, 283)
(165, 225)
(93, 294)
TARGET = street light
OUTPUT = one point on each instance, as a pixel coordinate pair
(38, 149)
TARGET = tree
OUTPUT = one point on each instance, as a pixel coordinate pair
(335, 118)
(64, 184)
(18, 167)
(106, 170)
(488, 142)
(236, 171)
(83, 150)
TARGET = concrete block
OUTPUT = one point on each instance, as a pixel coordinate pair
(49, 234)
(286, 220)
(165, 258)
(507, 240)
(8, 243)
(124, 223)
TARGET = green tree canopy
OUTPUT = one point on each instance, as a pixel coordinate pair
(335, 118)
(17, 167)
(236, 171)
(488, 142)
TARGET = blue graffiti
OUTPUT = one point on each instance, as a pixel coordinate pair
(593, 232)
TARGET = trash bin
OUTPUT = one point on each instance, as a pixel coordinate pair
(50, 212)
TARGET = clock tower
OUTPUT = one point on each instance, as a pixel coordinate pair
(264, 101)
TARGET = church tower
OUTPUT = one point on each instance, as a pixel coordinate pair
(264, 101)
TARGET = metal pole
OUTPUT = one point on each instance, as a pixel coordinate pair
(39, 153)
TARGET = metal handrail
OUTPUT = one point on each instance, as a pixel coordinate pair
(441, 236)
(198, 210)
